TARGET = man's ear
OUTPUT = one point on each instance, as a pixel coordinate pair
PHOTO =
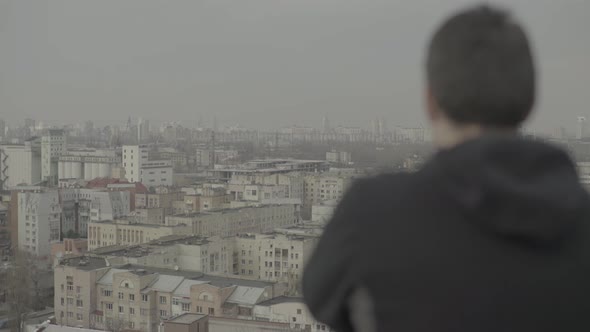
(432, 110)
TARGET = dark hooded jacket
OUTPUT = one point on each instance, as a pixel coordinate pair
(492, 235)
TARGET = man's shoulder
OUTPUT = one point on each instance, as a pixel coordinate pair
(384, 183)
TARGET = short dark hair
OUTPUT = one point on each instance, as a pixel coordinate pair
(480, 69)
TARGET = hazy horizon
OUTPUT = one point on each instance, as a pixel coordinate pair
(257, 63)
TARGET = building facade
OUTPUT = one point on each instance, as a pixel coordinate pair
(39, 216)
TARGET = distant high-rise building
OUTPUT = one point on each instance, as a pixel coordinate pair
(326, 124)
(128, 124)
(53, 145)
(582, 127)
(89, 128)
(2, 128)
(143, 130)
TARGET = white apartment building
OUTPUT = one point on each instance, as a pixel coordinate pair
(123, 232)
(87, 164)
(138, 167)
(277, 185)
(213, 255)
(325, 186)
(53, 145)
(20, 164)
(133, 158)
(155, 173)
(273, 257)
(39, 215)
(291, 310)
(230, 222)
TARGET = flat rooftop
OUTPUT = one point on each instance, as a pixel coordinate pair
(85, 263)
(187, 318)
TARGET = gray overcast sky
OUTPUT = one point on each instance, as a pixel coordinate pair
(260, 63)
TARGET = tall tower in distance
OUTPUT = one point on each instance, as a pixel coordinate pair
(582, 127)
(325, 124)
(143, 130)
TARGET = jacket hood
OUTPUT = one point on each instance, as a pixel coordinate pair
(519, 189)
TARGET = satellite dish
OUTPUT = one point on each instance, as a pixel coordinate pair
(176, 268)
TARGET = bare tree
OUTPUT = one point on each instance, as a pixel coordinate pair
(17, 287)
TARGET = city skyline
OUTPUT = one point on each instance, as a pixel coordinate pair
(261, 64)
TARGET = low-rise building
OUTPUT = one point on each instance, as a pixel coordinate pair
(91, 293)
(187, 323)
(230, 222)
(289, 310)
(124, 232)
(274, 257)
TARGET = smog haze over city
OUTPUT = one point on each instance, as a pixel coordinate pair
(294, 165)
(257, 63)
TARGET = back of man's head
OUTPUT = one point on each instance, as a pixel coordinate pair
(480, 69)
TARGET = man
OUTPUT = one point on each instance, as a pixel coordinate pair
(491, 235)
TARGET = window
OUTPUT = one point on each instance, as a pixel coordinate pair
(323, 327)
(205, 297)
(211, 311)
(79, 317)
(109, 306)
(62, 287)
(132, 311)
(79, 303)
(299, 311)
(162, 300)
(144, 297)
(243, 271)
(186, 307)
(143, 312)
(121, 296)
(70, 315)
(250, 272)
(78, 289)
(121, 309)
(70, 301)
(163, 313)
(294, 319)
(62, 301)
(199, 310)
(175, 301)
(131, 297)
(106, 292)
(243, 261)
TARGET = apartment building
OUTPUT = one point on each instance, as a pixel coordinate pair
(212, 255)
(133, 158)
(231, 222)
(290, 310)
(123, 232)
(155, 173)
(289, 185)
(163, 199)
(75, 291)
(325, 186)
(39, 215)
(89, 293)
(81, 206)
(53, 145)
(273, 257)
